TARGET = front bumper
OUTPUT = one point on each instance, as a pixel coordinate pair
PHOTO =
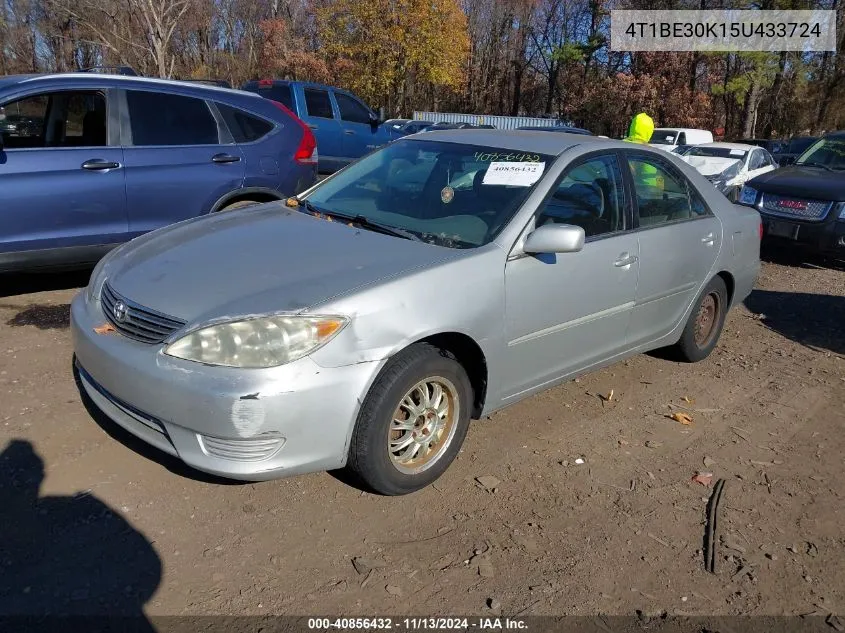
(826, 237)
(249, 424)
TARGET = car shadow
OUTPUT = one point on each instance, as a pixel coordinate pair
(121, 435)
(14, 284)
(813, 320)
(42, 316)
(798, 258)
(67, 556)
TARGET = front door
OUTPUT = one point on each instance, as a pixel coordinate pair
(360, 136)
(61, 174)
(679, 240)
(176, 165)
(568, 311)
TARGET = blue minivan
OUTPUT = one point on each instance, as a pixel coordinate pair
(345, 127)
(89, 161)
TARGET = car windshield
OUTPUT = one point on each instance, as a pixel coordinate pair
(450, 194)
(827, 152)
(663, 137)
(717, 152)
(799, 145)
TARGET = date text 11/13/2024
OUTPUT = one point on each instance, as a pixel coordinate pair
(417, 624)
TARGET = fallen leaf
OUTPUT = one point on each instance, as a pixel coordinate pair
(105, 328)
(703, 478)
(681, 417)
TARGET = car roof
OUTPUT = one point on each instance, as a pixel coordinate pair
(120, 81)
(525, 140)
(743, 146)
(837, 135)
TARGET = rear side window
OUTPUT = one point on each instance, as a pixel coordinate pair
(274, 92)
(244, 127)
(351, 109)
(662, 195)
(164, 119)
(317, 103)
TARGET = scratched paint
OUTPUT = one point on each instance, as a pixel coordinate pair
(248, 417)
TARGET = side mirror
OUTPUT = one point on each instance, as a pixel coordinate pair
(555, 238)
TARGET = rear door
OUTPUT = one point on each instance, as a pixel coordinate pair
(61, 174)
(679, 240)
(360, 136)
(179, 159)
(320, 116)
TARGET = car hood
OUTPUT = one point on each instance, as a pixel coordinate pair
(258, 260)
(802, 182)
(709, 165)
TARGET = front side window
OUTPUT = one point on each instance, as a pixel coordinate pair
(662, 194)
(164, 119)
(591, 196)
(59, 119)
(318, 104)
(450, 194)
(351, 109)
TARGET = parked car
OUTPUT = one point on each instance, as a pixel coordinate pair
(772, 146)
(803, 205)
(412, 127)
(105, 158)
(556, 128)
(793, 148)
(395, 124)
(681, 150)
(667, 138)
(345, 127)
(729, 165)
(366, 323)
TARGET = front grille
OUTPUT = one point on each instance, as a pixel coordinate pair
(137, 322)
(245, 450)
(800, 208)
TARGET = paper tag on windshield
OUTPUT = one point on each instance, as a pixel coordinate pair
(514, 174)
(737, 152)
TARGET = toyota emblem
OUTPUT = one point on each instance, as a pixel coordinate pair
(119, 311)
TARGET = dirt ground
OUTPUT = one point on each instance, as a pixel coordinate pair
(620, 532)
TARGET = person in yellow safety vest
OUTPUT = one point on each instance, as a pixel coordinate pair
(640, 131)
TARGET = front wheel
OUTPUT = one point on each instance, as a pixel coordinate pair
(705, 322)
(413, 421)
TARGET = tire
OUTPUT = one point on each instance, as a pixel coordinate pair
(403, 379)
(694, 344)
(240, 204)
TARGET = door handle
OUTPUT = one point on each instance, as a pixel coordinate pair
(349, 132)
(625, 260)
(312, 126)
(708, 239)
(98, 164)
(225, 158)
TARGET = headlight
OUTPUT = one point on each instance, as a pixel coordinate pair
(842, 210)
(748, 196)
(257, 342)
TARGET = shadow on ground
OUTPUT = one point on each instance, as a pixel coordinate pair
(119, 434)
(810, 319)
(66, 555)
(799, 258)
(12, 285)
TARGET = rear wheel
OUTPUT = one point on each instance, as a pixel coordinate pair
(705, 322)
(413, 421)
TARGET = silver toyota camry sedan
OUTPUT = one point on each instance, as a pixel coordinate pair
(364, 323)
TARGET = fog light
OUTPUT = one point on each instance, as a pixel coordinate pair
(253, 449)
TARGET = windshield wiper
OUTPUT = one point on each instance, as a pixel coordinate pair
(361, 221)
(816, 165)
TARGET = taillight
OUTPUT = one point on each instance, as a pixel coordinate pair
(306, 152)
(265, 83)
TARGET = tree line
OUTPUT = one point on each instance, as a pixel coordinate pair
(535, 57)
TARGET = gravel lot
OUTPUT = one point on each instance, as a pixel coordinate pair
(118, 527)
